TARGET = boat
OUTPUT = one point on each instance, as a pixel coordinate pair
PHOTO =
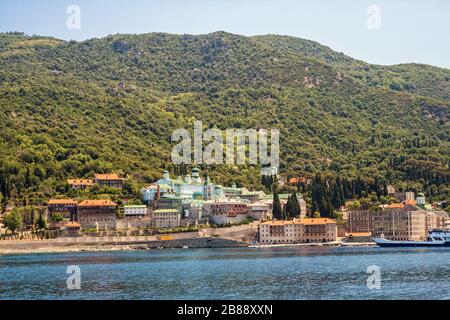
(435, 238)
(254, 244)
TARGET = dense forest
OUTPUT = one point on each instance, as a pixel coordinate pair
(69, 109)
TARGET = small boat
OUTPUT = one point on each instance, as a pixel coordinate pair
(436, 238)
(185, 247)
(254, 244)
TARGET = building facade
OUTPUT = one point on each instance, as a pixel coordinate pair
(261, 210)
(403, 196)
(80, 183)
(166, 218)
(109, 180)
(227, 211)
(134, 210)
(298, 231)
(97, 213)
(394, 223)
(67, 208)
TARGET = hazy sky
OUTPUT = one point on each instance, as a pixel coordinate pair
(376, 31)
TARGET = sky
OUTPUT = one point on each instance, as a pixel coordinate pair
(376, 31)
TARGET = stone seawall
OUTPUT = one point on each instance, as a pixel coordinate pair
(197, 243)
(47, 246)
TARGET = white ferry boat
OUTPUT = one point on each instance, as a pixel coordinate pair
(436, 238)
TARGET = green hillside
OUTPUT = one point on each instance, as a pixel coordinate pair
(69, 109)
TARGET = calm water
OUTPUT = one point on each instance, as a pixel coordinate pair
(237, 273)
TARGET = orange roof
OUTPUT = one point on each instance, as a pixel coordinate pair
(316, 221)
(73, 224)
(297, 180)
(97, 203)
(62, 201)
(308, 221)
(81, 182)
(358, 234)
(107, 176)
(396, 206)
(410, 202)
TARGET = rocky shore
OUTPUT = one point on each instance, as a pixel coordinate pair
(30, 247)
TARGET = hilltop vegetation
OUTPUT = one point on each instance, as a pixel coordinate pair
(69, 109)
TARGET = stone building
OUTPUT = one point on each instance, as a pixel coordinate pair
(298, 231)
(166, 218)
(168, 203)
(67, 208)
(261, 210)
(395, 222)
(80, 183)
(97, 213)
(403, 196)
(226, 211)
(109, 180)
(73, 229)
(193, 213)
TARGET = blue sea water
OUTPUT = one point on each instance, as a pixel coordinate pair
(231, 273)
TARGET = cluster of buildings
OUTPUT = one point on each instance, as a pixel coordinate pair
(169, 203)
(410, 219)
(87, 213)
(102, 179)
(199, 200)
(192, 200)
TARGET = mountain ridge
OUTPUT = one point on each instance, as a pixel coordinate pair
(110, 104)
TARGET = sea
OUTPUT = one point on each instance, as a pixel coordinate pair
(286, 273)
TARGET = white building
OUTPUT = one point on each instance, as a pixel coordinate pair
(420, 199)
(134, 210)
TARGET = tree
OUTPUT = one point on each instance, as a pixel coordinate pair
(292, 208)
(336, 199)
(355, 205)
(41, 224)
(277, 211)
(321, 200)
(13, 220)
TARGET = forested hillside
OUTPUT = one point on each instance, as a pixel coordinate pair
(69, 109)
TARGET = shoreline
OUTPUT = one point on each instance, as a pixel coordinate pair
(325, 244)
(187, 244)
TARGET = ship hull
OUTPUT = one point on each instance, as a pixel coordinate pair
(391, 243)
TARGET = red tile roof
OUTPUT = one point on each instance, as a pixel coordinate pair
(97, 203)
(396, 206)
(62, 201)
(107, 176)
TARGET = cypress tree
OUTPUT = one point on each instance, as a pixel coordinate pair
(41, 222)
(277, 211)
(295, 205)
